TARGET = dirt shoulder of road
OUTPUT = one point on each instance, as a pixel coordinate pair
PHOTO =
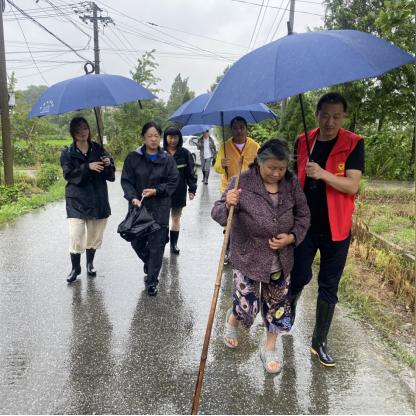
(376, 302)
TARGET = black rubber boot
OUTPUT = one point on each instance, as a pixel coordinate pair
(90, 252)
(152, 290)
(293, 303)
(324, 314)
(174, 235)
(76, 267)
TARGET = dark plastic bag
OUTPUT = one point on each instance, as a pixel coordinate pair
(139, 222)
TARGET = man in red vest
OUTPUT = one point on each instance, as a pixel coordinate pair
(330, 179)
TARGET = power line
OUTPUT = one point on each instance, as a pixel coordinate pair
(46, 29)
(30, 52)
(171, 28)
(280, 21)
(273, 22)
(71, 21)
(261, 23)
(255, 26)
(165, 34)
(275, 7)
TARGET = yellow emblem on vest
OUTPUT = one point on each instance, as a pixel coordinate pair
(340, 169)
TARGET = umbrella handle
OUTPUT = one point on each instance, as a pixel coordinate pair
(312, 184)
(87, 71)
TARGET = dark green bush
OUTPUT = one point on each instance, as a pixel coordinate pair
(48, 175)
(22, 156)
(388, 155)
(9, 194)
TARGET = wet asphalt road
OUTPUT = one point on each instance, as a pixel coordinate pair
(103, 346)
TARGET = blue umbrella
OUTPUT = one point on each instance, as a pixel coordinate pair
(192, 129)
(302, 62)
(192, 112)
(88, 91)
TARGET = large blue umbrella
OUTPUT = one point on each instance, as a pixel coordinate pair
(192, 112)
(302, 62)
(88, 91)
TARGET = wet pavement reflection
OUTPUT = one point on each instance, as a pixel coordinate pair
(103, 346)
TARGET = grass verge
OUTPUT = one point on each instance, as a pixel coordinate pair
(373, 301)
(28, 203)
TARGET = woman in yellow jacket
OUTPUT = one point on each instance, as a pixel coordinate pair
(230, 152)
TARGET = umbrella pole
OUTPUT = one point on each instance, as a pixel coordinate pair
(198, 386)
(223, 140)
(308, 147)
(97, 117)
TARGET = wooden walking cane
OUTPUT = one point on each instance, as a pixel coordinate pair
(198, 386)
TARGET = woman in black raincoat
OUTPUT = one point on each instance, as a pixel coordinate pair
(150, 177)
(86, 167)
(172, 143)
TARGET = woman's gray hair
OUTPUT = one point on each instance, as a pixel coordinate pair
(273, 149)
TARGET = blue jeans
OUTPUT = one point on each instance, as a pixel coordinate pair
(333, 258)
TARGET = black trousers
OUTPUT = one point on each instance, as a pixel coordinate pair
(332, 263)
(150, 250)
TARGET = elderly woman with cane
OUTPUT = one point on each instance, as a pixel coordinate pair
(271, 217)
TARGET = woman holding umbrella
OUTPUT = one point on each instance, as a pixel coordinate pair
(172, 143)
(150, 177)
(271, 217)
(86, 168)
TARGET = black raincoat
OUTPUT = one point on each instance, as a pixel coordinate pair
(140, 173)
(187, 177)
(86, 191)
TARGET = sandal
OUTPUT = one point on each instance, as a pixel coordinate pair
(268, 357)
(230, 331)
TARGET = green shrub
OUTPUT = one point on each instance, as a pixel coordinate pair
(22, 156)
(9, 194)
(50, 153)
(388, 155)
(48, 175)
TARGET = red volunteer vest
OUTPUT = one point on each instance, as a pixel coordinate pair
(340, 204)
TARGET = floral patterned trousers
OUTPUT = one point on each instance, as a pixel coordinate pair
(249, 296)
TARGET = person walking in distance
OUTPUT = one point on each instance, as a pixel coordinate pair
(208, 152)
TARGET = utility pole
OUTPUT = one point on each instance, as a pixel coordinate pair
(290, 24)
(92, 13)
(4, 108)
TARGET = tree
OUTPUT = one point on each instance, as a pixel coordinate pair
(124, 124)
(219, 78)
(387, 100)
(292, 124)
(179, 94)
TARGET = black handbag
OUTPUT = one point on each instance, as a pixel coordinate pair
(139, 222)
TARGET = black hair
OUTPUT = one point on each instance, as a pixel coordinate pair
(172, 131)
(273, 149)
(74, 124)
(332, 98)
(238, 118)
(149, 125)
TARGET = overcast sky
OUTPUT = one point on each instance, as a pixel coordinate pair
(196, 38)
